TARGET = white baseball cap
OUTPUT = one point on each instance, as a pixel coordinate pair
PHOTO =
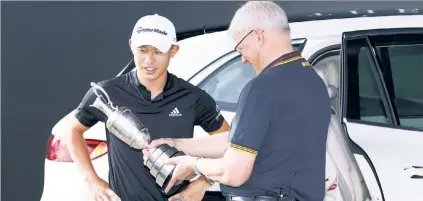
(154, 30)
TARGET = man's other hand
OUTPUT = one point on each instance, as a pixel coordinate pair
(183, 170)
(101, 191)
(194, 192)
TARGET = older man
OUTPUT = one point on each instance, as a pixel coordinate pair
(277, 140)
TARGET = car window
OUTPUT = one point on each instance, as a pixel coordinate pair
(225, 84)
(400, 64)
(403, 67)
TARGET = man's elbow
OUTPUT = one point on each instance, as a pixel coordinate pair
(64, 125)
(236, 178)
(234, 182)
(68, 129)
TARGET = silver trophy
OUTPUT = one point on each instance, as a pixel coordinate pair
(122, 123)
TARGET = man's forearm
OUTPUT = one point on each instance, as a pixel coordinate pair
(212, 146)
(79, 153)
(214, 169)
(233, 169)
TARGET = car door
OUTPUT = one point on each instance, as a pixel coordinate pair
(382, 108)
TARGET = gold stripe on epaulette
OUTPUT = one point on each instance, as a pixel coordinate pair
(243, 149)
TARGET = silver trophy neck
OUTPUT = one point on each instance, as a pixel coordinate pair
(103, 107)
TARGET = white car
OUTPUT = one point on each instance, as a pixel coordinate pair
(373, 68)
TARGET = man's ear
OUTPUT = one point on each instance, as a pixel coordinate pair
(260, 36)
(130, 42)
(173, 50)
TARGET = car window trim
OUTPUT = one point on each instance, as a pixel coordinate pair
(380, 81)
(206, 66)
(384, 125)
(375, 68)
(299, 41)
(387, 76)
(323, 53)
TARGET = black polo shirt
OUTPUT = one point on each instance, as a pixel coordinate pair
(283, 118)
(172, 114)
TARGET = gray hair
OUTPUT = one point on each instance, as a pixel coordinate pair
(265, 15)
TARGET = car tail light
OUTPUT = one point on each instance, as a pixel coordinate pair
(333, 187)
(58, 151)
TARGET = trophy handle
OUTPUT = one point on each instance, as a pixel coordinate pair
(97, 88)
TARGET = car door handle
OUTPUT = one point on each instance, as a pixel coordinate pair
(414, 172)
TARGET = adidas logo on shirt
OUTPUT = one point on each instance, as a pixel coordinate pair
(175, 113)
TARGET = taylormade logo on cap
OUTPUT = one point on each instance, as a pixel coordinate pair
(141, 29)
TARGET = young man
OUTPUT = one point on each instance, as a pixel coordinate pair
(152, 94)
(277, 140)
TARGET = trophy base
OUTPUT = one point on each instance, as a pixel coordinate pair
(177, 188)
(163, 173)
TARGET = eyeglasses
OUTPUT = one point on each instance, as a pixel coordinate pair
(236, 47)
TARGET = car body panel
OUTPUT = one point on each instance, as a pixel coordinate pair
(64, 182)
(392, 150)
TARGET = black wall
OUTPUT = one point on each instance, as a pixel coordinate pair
(52, 50)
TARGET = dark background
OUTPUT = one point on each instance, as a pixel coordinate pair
(52, 50)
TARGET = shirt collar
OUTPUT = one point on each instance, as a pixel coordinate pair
(145, 92)
(282, 59)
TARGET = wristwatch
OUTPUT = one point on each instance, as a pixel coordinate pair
(197, 172)
(209, 181)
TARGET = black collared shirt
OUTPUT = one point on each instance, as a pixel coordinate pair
(282, 118)
(172, 114)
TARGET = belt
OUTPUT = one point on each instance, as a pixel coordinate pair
(258, 198)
